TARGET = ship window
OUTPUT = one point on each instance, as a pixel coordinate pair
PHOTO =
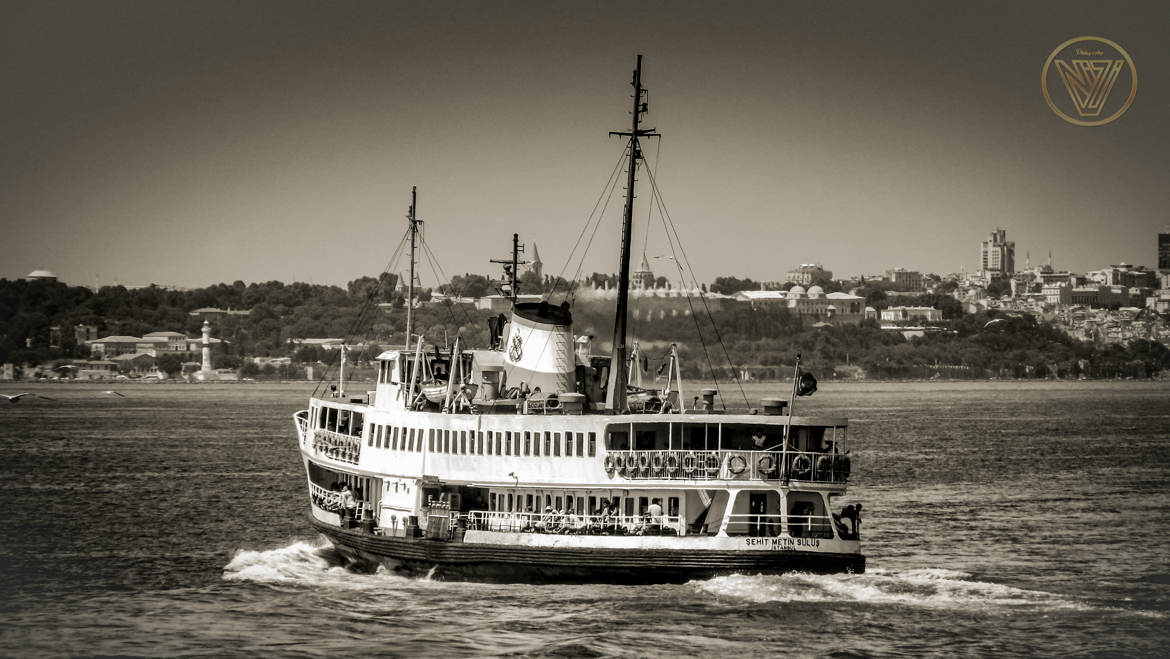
(617, 440)
(569, 444)
(499, 443)
(548, 500)
(557, 446)
(536, 443)
(463, 442)
(569, 503)
(580, 445)
(492, 501)
(592, 504)
(643, 502)
(356, 428)
(527, 443)
(592, 444)
(629, 506)
(490, 436)
(528, 503)
(547, 443)
(430, 440)
(646, 440)
(672, 506)
(370, 439)
(558, 505)
(510, 503)
(446, 441)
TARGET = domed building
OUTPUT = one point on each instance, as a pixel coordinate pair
(40, 275)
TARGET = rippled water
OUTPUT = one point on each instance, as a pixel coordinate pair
(1001, 518)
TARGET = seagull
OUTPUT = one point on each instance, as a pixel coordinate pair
(114, 393)
(15, 398)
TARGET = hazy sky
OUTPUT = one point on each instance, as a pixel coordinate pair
(189, 143)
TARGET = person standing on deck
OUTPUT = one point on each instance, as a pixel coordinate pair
(655, 513)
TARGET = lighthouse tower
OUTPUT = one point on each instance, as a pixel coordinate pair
(206, 369)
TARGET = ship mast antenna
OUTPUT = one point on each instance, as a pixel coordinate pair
(414, 222)
(512, 267)
(616, 395)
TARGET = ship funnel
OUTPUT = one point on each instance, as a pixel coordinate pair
(538, 349)
(773, 406)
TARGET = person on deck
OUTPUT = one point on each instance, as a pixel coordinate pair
(348, 503)
(654, 512)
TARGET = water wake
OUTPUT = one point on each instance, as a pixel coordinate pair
(927, 587)
(301, 563)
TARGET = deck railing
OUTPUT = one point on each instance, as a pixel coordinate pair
(325, 499)
(340, 447)
(573, 524)
(767, 526)
(302, 420)
(729, 465)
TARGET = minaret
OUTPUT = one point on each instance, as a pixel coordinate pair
(206, 347)
(536, 266)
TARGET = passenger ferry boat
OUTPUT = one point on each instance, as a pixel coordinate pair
(527, 461)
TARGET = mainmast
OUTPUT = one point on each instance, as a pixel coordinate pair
(616, 397)
(512, 267)
(414, 222)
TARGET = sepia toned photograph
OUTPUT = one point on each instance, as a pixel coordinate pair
(584, 329)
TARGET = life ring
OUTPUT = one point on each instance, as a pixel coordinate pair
(690, 462)
(736, 464)
(631, 462)
(711, 463)
(766, 464)
(643, 460)
(801, 466)
(672, 463)
(824, 466)
(610, 464)
(552, 403)
(658, 461)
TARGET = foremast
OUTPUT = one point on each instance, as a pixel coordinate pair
(414, 224)
(618, 376)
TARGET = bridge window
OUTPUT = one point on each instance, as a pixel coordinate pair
(580, 444)
(527, 442)
(547, 443)
(463, 442)
(557, 445)
(569, 444)
(592, 444)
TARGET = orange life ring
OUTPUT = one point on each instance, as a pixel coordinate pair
(766, 464)
(610, 464)
(801, 466)
(736, 464)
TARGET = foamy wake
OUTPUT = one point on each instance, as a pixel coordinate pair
(301, 563)
(928, 588)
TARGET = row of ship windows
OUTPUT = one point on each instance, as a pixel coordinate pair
(490, 442)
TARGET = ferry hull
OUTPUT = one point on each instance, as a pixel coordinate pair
(458, 561)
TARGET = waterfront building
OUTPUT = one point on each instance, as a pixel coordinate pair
(905, 280)
(808, 274)
(998, 254)
(907, 314)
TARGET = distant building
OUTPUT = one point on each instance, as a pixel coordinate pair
(643, 278)
(997, 254)
(907, 314)
(112, 346)
(167, 341)
(212, 313)
(1164, 250)
(1124, 274)
(537, 266)
(83, 334)
(40, 275)
(807, 274)
(905, 280)
(815, 304)
(1057, 293)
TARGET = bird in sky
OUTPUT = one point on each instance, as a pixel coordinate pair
(114, 393)
(15, 398)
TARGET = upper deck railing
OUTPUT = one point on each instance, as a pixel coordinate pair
(340, 447)
(573, 524)
(729, 465)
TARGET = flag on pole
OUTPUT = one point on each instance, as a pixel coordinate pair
(806, 385)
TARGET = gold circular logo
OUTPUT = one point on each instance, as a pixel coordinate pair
(1084, 78)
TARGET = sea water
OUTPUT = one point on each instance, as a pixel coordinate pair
(999, 518)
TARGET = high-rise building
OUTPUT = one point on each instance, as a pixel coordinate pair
(998, 254)
(1164, 250)
(808, 274)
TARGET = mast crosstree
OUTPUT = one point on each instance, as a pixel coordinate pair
(616, 391)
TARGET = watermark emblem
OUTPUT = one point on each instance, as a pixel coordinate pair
(1086, 80)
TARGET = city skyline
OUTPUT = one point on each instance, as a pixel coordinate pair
(191, 144)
